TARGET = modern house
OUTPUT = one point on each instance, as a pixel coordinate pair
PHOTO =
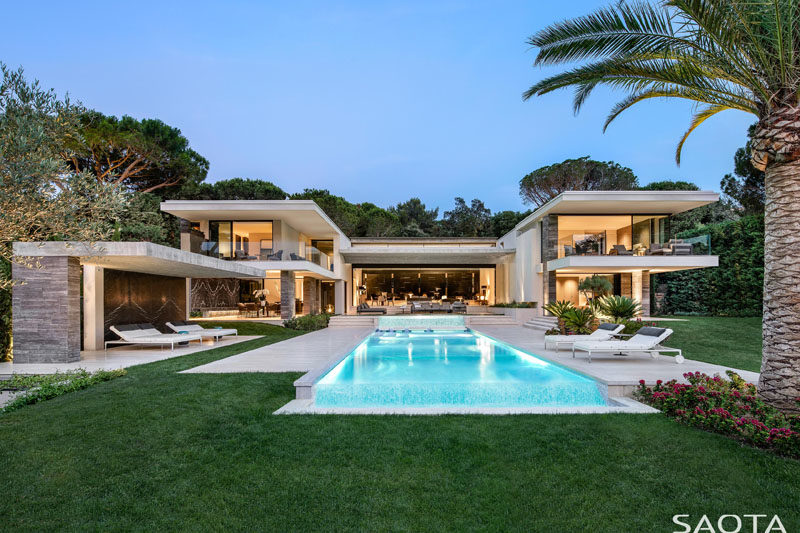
(280, 258)
(624, 235)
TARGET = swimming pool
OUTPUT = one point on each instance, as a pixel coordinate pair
(451, 368)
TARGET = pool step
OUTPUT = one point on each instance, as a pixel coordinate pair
(541, 323)
(344, 321)
(489, 320)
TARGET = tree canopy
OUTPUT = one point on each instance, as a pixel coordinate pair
(232, 189)
(582, 174)
(473, 220)
(140, 155)
(745, 187)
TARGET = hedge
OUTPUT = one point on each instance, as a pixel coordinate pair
(735, 288)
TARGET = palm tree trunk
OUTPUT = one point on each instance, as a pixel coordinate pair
(779, 384)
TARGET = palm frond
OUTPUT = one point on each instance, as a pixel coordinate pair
(700, 117)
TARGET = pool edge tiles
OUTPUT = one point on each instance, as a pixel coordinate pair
(421, 322)
(563, 387)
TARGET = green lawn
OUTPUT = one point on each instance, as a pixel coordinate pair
(157, 450)
(727, 341)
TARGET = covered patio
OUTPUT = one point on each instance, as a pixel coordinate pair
(68, 294)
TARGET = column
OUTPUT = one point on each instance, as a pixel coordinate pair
(645, 297)
(310, 295)
(287, 294)
(636, 287)
(93, 308)
(339, 298)
(45, 304)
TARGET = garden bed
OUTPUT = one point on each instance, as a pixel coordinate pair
(730, 407)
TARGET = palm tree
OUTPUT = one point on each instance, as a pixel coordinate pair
(720, 54)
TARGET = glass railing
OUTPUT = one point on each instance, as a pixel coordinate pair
(699, 245)
(224, 250)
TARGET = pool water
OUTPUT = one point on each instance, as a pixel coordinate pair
(451, 368)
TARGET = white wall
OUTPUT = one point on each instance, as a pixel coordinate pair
(521, 282)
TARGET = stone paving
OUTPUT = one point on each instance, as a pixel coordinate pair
(119, 357)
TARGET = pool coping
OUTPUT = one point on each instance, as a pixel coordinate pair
(306, 406)
(304, 385)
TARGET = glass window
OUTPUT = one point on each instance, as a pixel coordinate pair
(239, 239)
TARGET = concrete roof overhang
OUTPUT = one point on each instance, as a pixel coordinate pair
(303, 215)
(143, 257)
(615, 264)
(429, 255)
(619, 203)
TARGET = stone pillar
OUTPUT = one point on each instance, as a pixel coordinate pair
(549, 243)
(625, 285)
(93, 307)
(287, 294)
(636, 286)
(46, 311)
(645, 298)
(311, 296)
(339, 298)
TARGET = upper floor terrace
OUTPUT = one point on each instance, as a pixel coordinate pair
(271, 234)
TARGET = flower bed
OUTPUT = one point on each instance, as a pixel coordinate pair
(730, 407)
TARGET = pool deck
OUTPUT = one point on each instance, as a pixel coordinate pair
(620, 373)
(298, 354)
(119, 357)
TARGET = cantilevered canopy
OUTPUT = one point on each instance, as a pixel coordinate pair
(143, 257)
(303, 215)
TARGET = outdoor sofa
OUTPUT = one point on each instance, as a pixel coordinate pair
(148, 334)
(603, 332)
(364, 309)
(179, 326)
(646, 340)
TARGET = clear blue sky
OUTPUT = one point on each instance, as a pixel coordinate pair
(376, 101)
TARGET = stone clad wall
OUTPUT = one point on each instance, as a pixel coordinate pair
(133, 298)
(46, 310)
(549, 252)
(208, 293)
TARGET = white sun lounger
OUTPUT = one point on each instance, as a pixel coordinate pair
(147, 334)
(647, 340)
(196, 329)
(603, 332)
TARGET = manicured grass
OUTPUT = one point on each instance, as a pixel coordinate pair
(158, 450)
(728, 341)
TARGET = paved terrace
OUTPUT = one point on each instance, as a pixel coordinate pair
(299, 354)
(621, 373)
(119, 357)
(317, 351)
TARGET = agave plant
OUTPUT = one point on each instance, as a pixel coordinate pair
(619, 308)
(579, 320)
(559, 307)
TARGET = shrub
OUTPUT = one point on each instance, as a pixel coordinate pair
(730, 407)
(308, 322)
(553, 331)
(517, 305)
(619, 308)
(37, 388)
(558, 308)
(578, 321)
(632, 327)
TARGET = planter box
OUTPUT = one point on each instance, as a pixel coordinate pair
(520, 315)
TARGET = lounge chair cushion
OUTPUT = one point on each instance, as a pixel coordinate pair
(608, 326)
(651, 331)
(127, 327)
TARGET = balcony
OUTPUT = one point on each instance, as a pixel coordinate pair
(595, 244)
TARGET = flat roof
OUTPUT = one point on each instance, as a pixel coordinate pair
(142, 257)
(619, 203)
(423, 240)
(303, 215)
